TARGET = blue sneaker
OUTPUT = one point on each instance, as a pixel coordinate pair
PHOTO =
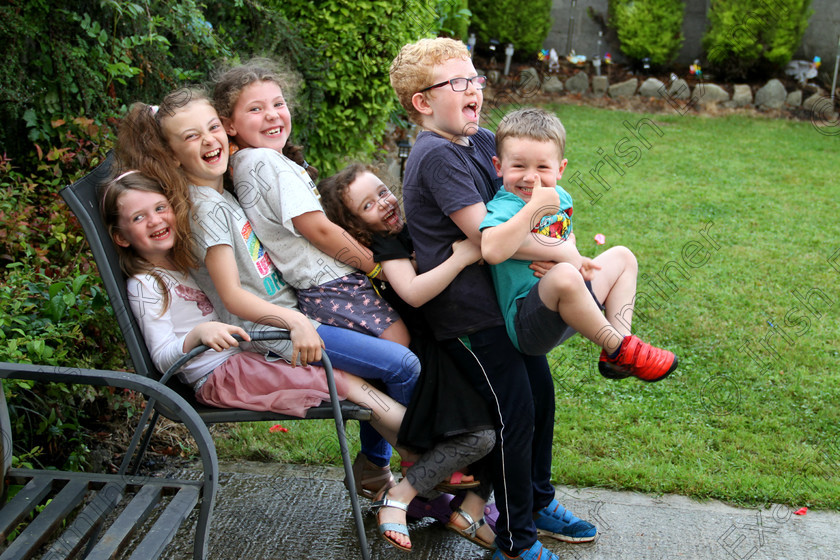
(557, 522)
(536, 552)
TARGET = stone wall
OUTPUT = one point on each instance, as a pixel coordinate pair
(822, 35)
(573, 29)
(821, 38)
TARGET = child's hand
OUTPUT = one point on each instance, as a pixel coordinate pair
(540, 268)
(588, 268)
(544, 200)
(218, 336)
(306, 344)
(466, 251)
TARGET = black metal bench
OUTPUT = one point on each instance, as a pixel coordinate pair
(103, 512)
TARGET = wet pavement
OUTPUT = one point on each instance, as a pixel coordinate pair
(273, 512)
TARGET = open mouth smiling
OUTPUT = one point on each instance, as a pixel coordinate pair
(160, 234)
(212, 157)
(392, 218)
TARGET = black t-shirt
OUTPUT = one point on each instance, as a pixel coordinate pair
(391, 247)
(442, 177)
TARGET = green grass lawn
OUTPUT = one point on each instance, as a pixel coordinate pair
(734, 222)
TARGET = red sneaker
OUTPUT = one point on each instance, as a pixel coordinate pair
(639, 359)
(611, 370)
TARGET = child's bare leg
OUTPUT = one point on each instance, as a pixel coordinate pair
(615, 286)
(398, 333)
(563, 289)
(387, 413)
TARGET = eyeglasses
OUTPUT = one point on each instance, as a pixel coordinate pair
(460, 84)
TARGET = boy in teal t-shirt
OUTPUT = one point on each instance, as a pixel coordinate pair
(528, 219)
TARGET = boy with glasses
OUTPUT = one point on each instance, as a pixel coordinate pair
(449, 177)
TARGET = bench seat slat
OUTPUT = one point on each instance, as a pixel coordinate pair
(88, 521)
(124, 526)
(167, 524)
(23, 503)
(43, 526)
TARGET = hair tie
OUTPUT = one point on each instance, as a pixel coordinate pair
(129, 172)
(154, 109)
(109, 186)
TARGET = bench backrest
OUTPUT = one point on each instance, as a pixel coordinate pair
(83, 199)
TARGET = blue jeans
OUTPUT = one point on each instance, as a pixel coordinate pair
(373, 358)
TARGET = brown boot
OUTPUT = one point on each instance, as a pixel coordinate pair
(370, 479)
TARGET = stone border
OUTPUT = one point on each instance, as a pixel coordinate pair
(772, 96)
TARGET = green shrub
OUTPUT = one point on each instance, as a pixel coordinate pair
(103, 55)
(357, 41)
(525, 24)
(52, 307)
(47, 423)
(63, 59)
(455, 19)
(752, 37)
(60, 323)
(648, 28)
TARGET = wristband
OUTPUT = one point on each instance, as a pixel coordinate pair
(377, 268)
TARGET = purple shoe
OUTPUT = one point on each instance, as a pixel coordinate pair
(491, 515)
(438, 509)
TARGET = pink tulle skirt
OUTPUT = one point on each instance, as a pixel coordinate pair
(247, 380)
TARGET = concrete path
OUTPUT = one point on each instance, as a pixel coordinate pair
(273, 512)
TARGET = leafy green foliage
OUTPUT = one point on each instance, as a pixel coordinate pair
(52, 308)
(46, 419)
(357, 42)
(63, 61)
(525, 24)
(648, 28)
(455, 19)
(749, 37)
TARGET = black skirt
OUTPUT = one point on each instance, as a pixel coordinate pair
(444, 403)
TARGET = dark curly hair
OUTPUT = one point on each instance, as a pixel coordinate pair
(334, 200)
